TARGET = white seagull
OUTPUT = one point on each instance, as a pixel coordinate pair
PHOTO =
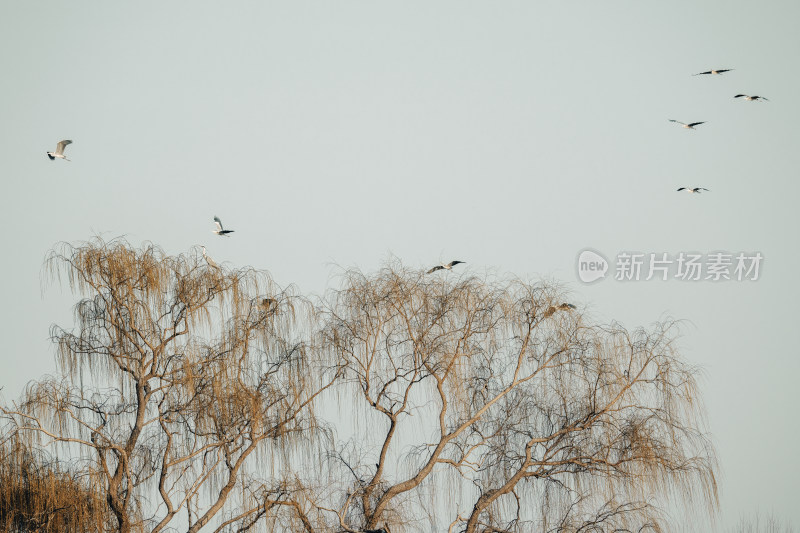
(720, 71)
(751, 98)
(444, 266)
(697, 190)
(59, 153)
(210, 261)
(220, 230)
(689, 126)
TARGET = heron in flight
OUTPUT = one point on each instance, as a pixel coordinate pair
(697, 190)
(720, 71)
(210, 261)
(59, 153)
(563, 307)
(445, 266)
(689, 126)
(220, 230)
(751, 98)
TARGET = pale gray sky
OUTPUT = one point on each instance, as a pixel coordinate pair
(510, 135)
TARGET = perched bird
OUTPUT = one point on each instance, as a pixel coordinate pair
(210, 261)
(59, 153)
(698, 190)
(444, 266)
(720, 71)
(689, 126)
(563, 307)
(220, 230)
(751, 98)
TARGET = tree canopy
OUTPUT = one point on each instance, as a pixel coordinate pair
(198, 397)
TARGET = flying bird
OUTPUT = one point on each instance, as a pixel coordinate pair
(220, 230)
(751, 98)
(444, 266)
(59, 153)
(210, 261)
(563, 307)
(720, 71)
(698, 190)
(687, 126)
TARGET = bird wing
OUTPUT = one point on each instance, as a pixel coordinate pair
(454, 263)
(762, 98)
(724, 70)
(740, 95)
(434, 269)
(218, 222)
(701, 189)
(706, 72)
(61, 145)
(696, 124)
(682, 189)
(677, 121)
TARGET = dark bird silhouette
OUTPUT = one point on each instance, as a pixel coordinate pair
(220, 230)
(447, 266)
(698, 190)
(720, 71)
(751, 98)
(689, 126)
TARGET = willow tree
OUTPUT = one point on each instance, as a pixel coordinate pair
(41, 495)
(453, 403)
(493, 406)
(183, 386)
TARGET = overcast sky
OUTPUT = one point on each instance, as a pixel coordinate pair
(511, 135)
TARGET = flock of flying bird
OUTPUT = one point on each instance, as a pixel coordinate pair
(691, 125)
(270, 303)
(221, 231)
